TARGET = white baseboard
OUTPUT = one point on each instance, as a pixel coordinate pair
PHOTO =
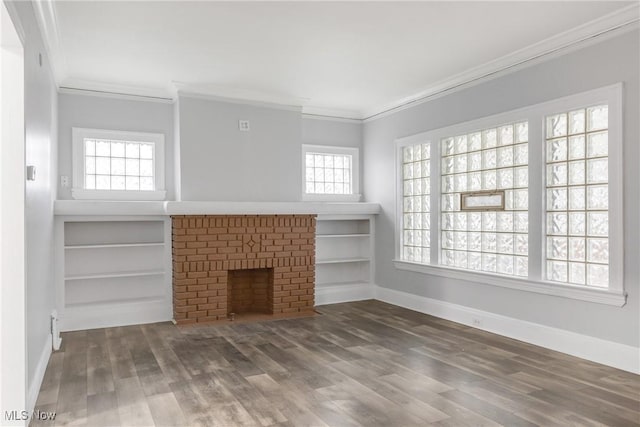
(116, 314)
(38, 376)
(333, 294)
(597, 350)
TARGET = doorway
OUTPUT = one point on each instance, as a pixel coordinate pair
(12, 213)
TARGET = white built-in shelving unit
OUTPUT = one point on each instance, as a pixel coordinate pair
(113, 259)
(116, 271)
(344, 258)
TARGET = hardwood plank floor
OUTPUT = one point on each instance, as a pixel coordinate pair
(356, 364)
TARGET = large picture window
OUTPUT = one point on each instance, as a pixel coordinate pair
(528, 199)
(494, 240)
(578, 196)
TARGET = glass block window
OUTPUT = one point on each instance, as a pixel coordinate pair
(118, 165)
(328, 173)
(416, 189)
(577, 175)
(490, 241)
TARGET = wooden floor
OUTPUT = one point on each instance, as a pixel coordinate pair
(365, 363)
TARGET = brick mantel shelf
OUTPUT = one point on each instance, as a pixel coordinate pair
(207, 247)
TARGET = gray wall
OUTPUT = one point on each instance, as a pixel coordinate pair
(611, 61)
(100, 112)
(41, 137)
(342, 133)
(219, 162)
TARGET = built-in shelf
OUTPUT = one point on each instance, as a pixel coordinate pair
(340, 260)
(341, 235)
(114, 245)
(116, 275)
(106, 303)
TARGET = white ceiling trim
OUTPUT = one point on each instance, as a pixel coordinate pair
(114, 95)
(238, 96)
(624, 19)
(47, 20)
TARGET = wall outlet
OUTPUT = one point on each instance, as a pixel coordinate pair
(64, 181)
(244, 125)
(477, 323)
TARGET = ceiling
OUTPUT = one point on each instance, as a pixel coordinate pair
(351, 59)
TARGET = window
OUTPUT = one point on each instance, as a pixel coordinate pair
(494, 240)
(416, 187)
(330, 173)
(578, 197)
(115, 165)
(526, 199)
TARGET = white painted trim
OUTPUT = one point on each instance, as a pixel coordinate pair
(82, 194)
(334, 294)
(597, 350)
(46, 18)
(103, 207)
(269, 208)
(320, 113)
(111, 315)
(38, 375)
(78, 163)
(615, 298)
(70, 84)
(354, 152)
(113, 95)
(610, 25)
(256, 100)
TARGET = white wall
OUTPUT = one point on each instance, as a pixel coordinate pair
(41, 147)
(103, 112)
(611, 61)
(219, 162)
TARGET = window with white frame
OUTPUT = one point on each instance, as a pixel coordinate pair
(330, 173)
(494, 241)
(117, 165)
(578, 196)
(416, 189)
(554, 224)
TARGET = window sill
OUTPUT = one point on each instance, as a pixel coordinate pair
(600, 296)
(331, 197)
(82, 194)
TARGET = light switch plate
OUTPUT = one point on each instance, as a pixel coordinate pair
(31, 173)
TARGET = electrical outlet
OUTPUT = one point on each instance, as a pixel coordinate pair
(244, 125)
(64, 181)
(476, 322)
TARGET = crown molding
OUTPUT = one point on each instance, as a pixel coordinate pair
(113, 95)
(321, 113)
(47, 21)
(607, 26)
(239, 96)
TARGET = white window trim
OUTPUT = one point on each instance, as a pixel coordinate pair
(79, 192)
(355, 173)
(535, 114)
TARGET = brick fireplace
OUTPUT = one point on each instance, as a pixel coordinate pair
(242, 264)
